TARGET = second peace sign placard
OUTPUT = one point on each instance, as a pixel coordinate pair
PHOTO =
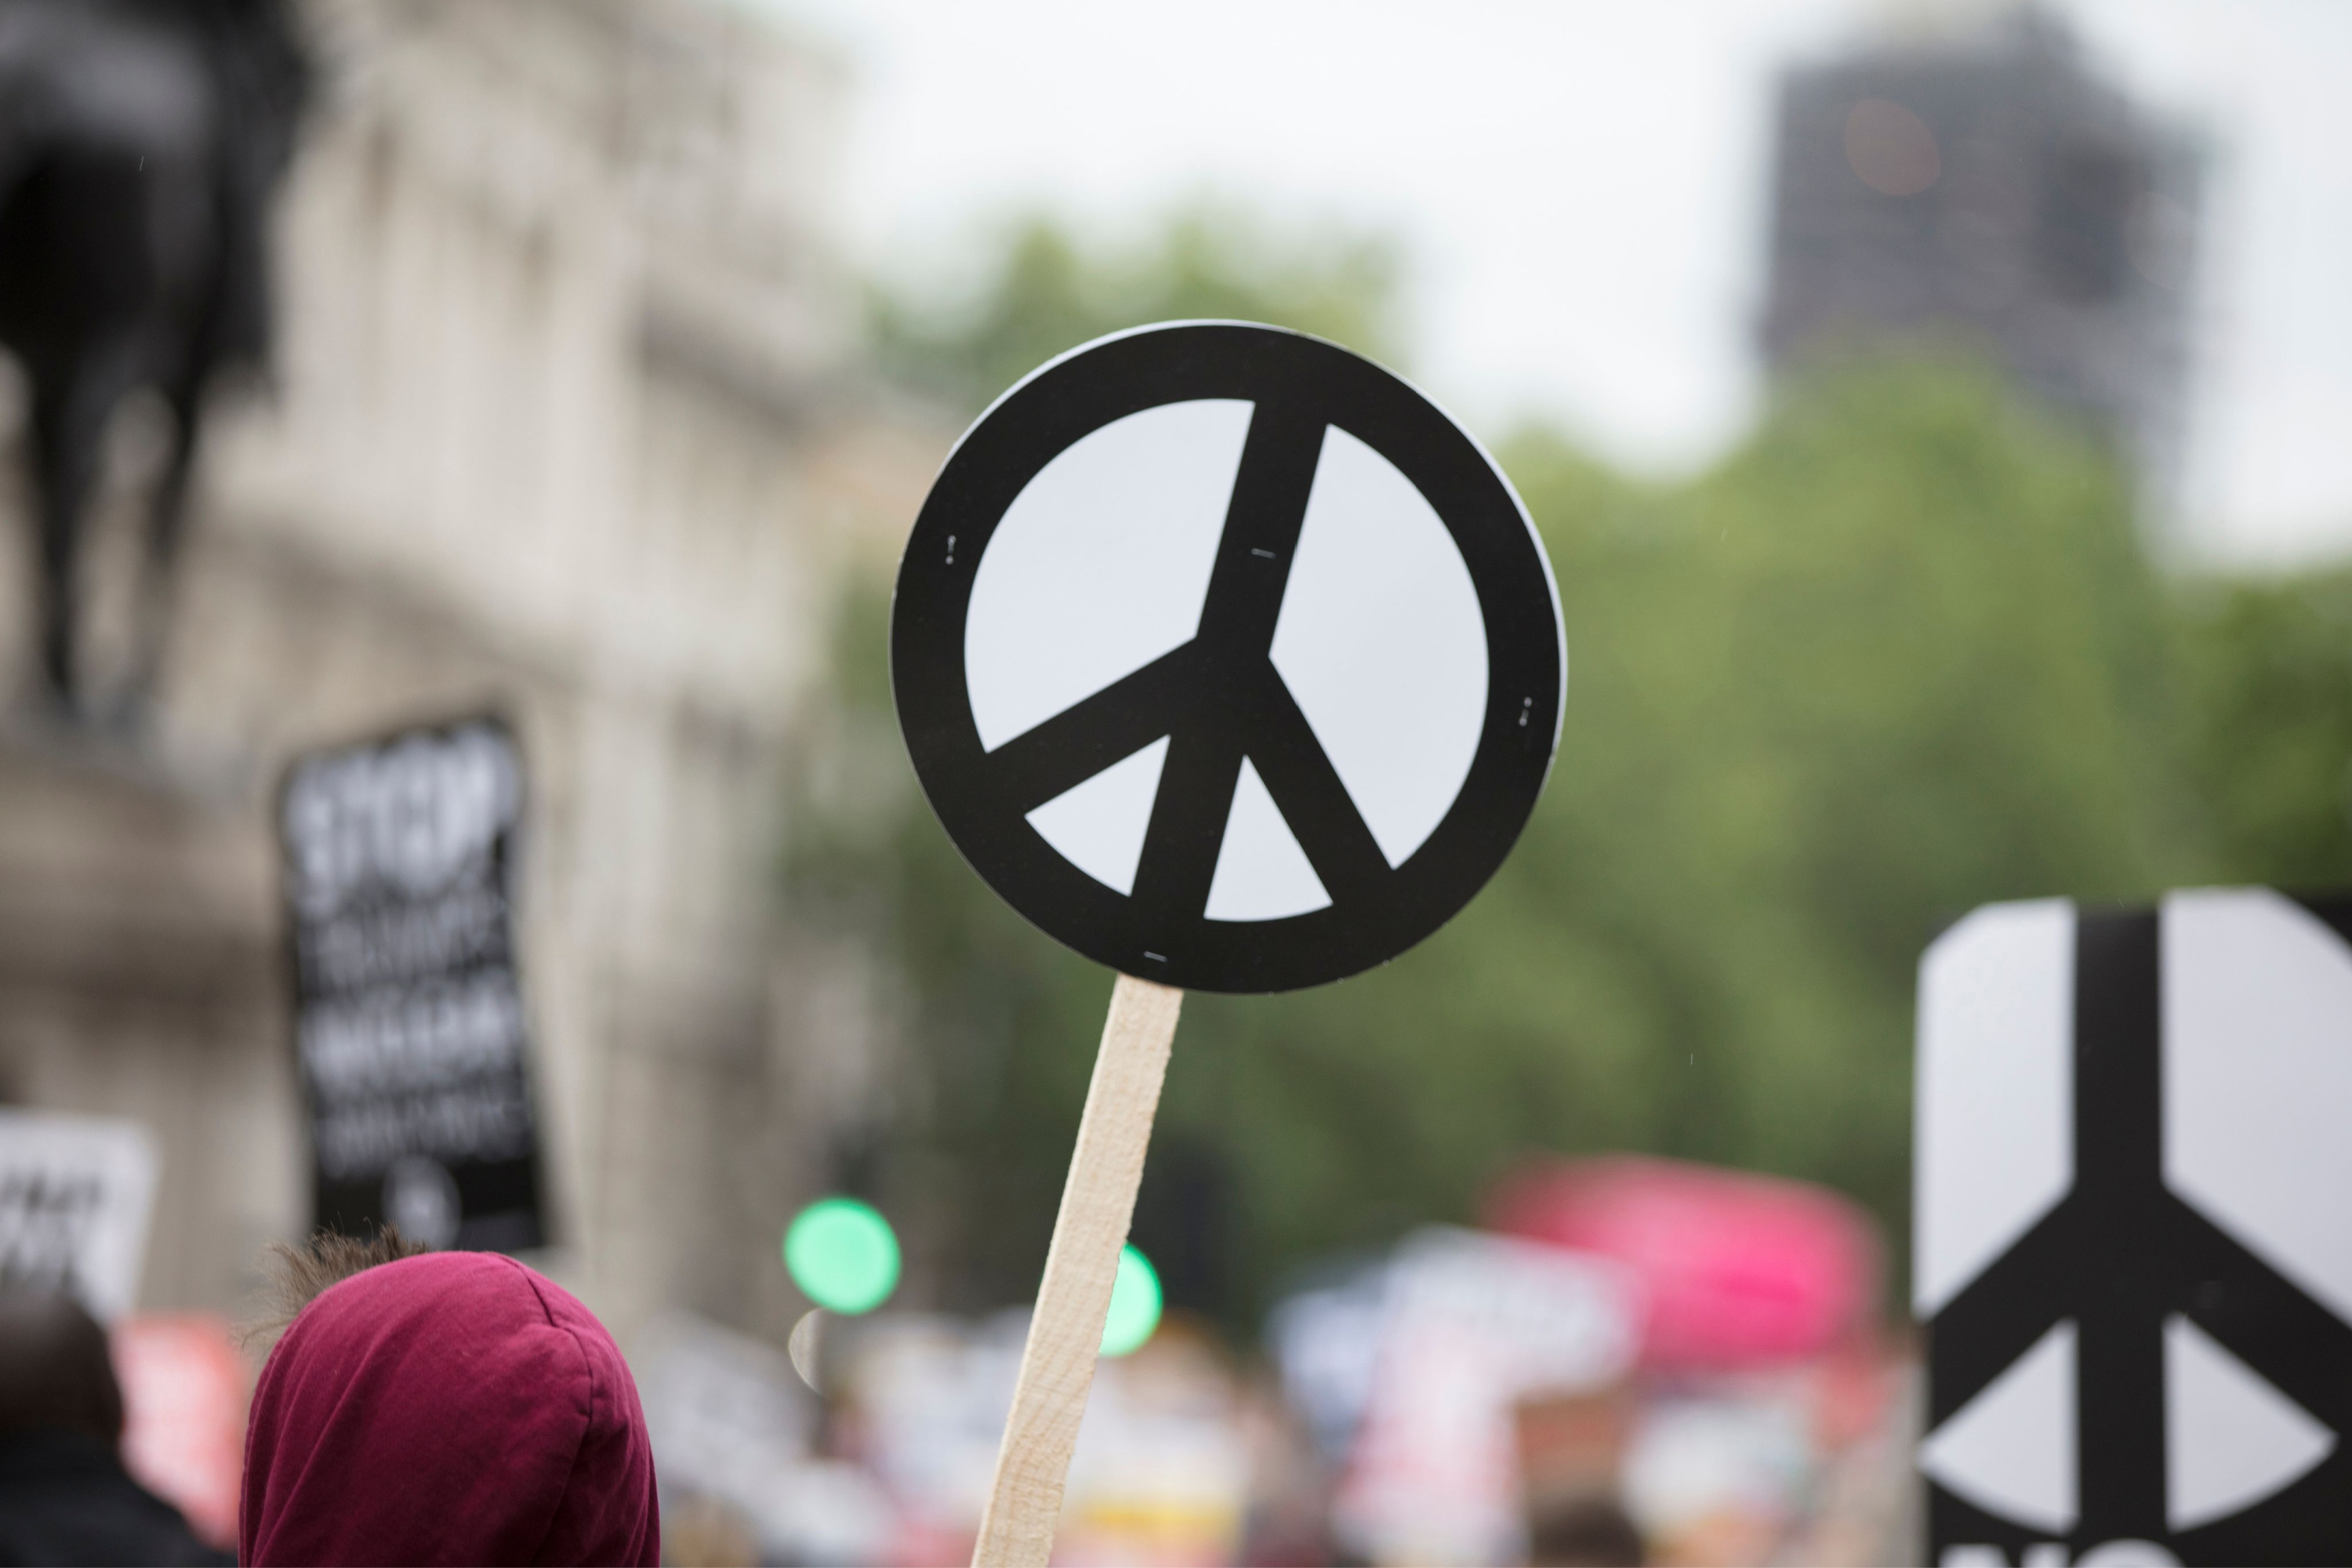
(1232, 662)
(1226, 657)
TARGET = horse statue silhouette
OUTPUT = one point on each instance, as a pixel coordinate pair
(140, 144)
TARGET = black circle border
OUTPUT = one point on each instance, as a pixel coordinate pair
(1089, 387)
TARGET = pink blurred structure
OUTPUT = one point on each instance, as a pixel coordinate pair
(1739, 1271)
(184, 1394)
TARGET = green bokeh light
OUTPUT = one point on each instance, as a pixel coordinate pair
(842, 1255)
(1134, 1304)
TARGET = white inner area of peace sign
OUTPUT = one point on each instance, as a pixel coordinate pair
(1102, 564)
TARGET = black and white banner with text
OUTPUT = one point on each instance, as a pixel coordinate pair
(400, 870)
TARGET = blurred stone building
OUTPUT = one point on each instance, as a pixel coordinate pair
(568, 424)
(1970, 178)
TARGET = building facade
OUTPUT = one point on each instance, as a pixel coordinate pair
(567, 424)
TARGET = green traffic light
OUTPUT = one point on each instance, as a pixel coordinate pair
(842, 1255)
(1134, 1304)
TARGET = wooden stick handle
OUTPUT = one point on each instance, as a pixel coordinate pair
(1057, 1366)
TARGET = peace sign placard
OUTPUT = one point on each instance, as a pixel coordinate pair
(2131, 1251)
(1226, 657)
(1232, 662)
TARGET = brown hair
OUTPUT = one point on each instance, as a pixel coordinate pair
(54, 1373)
(299, 1274)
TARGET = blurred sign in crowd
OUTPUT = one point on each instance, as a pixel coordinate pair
(400, 857)
(75, 1196)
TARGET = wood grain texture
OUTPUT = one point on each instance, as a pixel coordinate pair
(1057, 1366)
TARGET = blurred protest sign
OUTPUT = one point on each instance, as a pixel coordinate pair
(1736, 1270)
(732, 1424)
(2131, 1248)
(1717, 1475)
(727, 1412)
(185, 1388)
(1158, 1474)
(75, 1196)
(926, 1396)
(400, 879)
(1326, 1339)
(1233, 663)
(1473, 1326)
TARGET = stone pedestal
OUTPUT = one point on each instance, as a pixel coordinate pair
(139, 976)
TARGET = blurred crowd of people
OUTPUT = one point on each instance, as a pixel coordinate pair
(1634, 1362)
(1631, 1362)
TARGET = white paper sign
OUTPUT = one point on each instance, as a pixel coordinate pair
(1473, 1323)
(76, 1193)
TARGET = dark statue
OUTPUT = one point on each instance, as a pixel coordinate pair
(140, 144)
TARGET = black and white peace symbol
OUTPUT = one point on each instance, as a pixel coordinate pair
(2134, 1261)
(1226, 657)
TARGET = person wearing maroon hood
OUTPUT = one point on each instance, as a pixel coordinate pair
(447, 1407)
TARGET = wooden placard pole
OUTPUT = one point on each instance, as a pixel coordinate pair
(1057, 1365)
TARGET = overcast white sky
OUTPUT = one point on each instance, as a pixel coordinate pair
(1580, 188)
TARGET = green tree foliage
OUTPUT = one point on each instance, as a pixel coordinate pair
(1895, 656)
(1207, 262)
(2268, 667)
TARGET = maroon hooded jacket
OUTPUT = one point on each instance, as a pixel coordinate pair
(453, 1407)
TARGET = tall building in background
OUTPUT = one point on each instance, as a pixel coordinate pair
(1976, 183)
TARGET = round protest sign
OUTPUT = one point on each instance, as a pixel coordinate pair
(1226, 657)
